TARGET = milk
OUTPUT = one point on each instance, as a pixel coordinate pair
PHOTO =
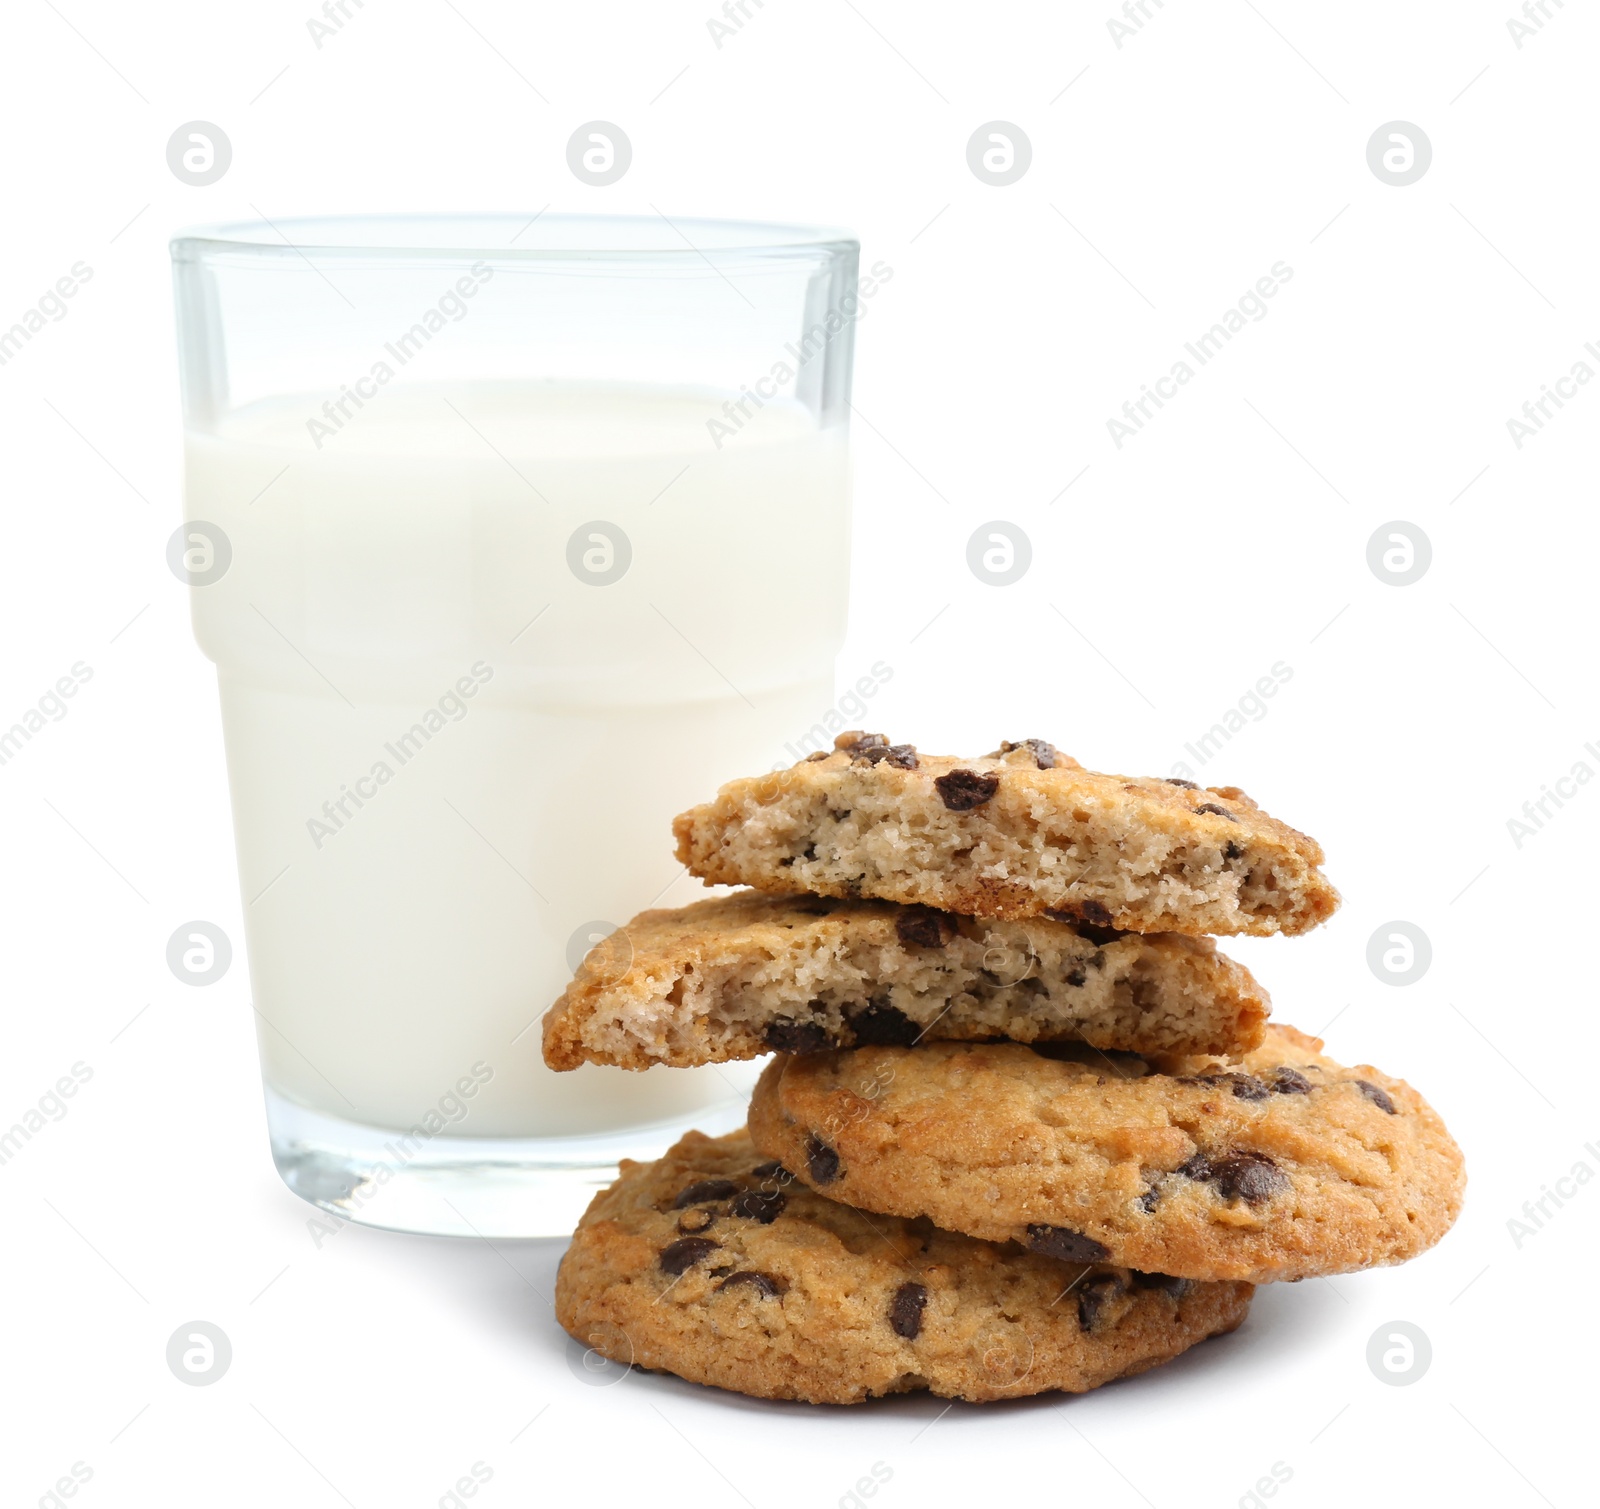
(451, 750)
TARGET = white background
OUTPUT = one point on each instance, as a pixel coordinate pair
(1167, 176)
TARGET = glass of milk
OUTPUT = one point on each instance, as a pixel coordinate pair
(509, 539)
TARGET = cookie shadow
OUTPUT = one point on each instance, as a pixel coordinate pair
(502, 1286)
(506, 1288)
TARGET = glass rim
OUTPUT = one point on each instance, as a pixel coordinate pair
(536, 238)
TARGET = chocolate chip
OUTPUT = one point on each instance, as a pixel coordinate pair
(1379, 1098)
(1244, 1086)
(694, 1221)
(1092, 1298)
(1176, 1287)
(962, 790)
(821, 1161)
(923, 927)
(1287, 1081)
(706, 1189)
(767, 1285)
(1077, 977)
(796, 1037)
(1151, 1197)
(1216, 811)
(771, 1169)
(1232, 851)
(1068, 1245)
(905, 1311)
(760, 1205)
(902, 756)
(1247, 1176)
(870, 749)
(682, 1255)
(1173, 780)
(880, 1025)
(1096, 933)
(1045, 755)
(816, 906)
(1087, 916)
(1198, 1167)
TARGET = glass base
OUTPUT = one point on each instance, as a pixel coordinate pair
(462, 1186)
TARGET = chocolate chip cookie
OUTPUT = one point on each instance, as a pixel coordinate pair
(1280, 1165)
(743, 975)
(1022, 832)
(716, 1265)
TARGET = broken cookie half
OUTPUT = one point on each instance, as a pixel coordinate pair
(747, 974)
(1024, 831)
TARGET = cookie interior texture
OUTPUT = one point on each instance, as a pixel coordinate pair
(1020, 832)
(738, 976)
(714, 1264)
(1281, 1165)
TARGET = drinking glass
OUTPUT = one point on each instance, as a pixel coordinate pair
(509, 539)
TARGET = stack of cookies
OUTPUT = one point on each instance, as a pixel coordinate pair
(1025, 1128)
